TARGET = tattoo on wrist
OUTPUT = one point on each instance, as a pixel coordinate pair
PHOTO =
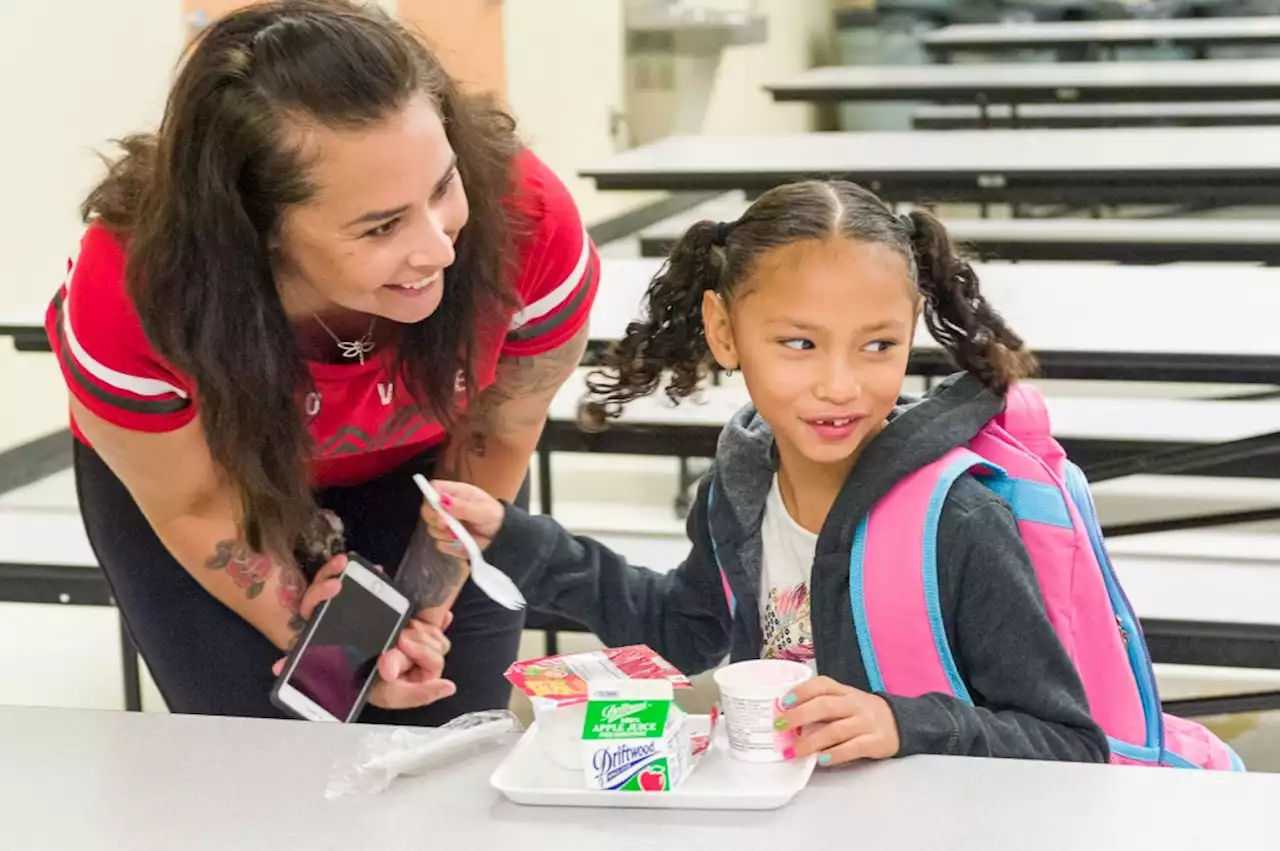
(427, 575)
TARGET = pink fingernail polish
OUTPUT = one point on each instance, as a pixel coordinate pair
(789, 754)
(445, 501)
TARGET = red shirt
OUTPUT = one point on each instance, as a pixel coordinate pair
(365, 424)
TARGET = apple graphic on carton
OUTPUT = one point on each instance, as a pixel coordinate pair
(654, 778)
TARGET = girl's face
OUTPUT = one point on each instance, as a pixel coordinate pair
(380, 231)
(822, 332)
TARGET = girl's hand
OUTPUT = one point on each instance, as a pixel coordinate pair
(480, 513)
(839, 723)
(410, 672)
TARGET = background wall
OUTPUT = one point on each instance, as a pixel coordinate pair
(559, 63)
(566, 83)
(72, 76)
(466, 35)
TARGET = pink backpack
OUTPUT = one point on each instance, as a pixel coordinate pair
(898, 618)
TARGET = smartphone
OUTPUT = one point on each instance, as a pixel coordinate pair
(328, 674)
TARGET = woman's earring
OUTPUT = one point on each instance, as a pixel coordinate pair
(729, 372)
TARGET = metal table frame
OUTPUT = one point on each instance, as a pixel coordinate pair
(74, 586)
(1074, 116)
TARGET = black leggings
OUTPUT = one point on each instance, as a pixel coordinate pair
(206, 660)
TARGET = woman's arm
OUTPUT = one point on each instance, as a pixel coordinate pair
(505, 422)
(681, 613)
(507, 418)
(193, 510)
(559, 271)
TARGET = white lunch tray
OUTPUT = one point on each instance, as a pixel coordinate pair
(718, 782)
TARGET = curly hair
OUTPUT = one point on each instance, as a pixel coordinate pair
(716, 256)
(198, 205)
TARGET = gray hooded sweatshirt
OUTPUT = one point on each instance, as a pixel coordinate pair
(1028, 698)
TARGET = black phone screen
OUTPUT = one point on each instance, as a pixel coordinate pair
(334, 666)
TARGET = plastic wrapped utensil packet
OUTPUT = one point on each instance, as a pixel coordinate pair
(385, 754)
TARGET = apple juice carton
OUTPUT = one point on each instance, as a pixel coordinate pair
(635, 738)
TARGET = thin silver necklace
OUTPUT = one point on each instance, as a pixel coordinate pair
(356, 348)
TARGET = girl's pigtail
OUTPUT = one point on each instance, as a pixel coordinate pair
(669, 338)
(958, 316)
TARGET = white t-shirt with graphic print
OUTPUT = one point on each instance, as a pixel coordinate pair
(788, 552)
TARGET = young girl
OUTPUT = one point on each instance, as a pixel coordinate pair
(814, 294)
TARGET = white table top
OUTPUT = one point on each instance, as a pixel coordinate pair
(1150, 231)
(1035, 297)
(1178, 109)
(1177, 156)
(1072, 307)
(79, 780)
(1066, 81)
(1148, 420)
(731, 205)
(29, 317)
(45, 536)
(1213, 581)
(1186, 576)
(1261, 29)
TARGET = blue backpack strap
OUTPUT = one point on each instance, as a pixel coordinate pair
(933, 518)
(947, 474)
(1033, 502)
(1139, 657)
(858, 602)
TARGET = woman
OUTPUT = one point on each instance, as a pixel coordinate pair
(328, 269)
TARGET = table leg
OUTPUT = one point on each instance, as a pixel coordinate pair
(544, 480)
(984, 123)
(131, 672)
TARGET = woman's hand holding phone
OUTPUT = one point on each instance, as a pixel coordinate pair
(410, 672)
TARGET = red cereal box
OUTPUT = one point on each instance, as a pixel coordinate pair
(564, 679)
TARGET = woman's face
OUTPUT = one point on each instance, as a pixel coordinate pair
(380, 231)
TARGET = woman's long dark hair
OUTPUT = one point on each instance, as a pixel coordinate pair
(199, 204)
(721, 256)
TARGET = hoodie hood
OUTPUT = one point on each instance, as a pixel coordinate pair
(921, 429)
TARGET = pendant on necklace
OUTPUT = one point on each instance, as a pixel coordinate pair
(356, 349)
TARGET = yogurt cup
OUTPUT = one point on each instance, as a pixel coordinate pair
(751, 695)
(560, 730)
